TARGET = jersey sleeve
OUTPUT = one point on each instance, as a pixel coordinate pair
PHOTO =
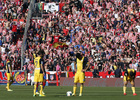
(85, 62)
(125, 72)
(75, 60)
(8, 65)
(41, 62)
(134, 72)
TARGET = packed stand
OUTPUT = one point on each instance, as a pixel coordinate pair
(13, 15)
(105, 31)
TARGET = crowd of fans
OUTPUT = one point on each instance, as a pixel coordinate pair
(13, 15)
(107, 32)
(104, 31)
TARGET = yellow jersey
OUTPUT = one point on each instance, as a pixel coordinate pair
(37, 63)
(129, 70)
(127, 76)
(93, 40)
(100, 39)
(115, 67)
(81, 64)
(8, 64)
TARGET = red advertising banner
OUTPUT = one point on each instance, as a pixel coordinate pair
(19, 77)
(99, 82)
(101, 74)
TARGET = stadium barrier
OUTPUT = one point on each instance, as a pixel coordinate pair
(22, 78)
(98, 82)
(102, 75)
(19, 77)
(52, 78)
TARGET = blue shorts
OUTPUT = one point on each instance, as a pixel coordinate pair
(44, 77)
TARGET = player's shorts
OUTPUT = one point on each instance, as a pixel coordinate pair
(38, 77)
(126, 78)
(44, 77)
(79, 78)
(8, 76)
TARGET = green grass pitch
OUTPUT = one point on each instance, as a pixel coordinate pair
(59, 93)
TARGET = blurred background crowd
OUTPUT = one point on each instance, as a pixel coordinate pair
(13, 15)
(107, 32)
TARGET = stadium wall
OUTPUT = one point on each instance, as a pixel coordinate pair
(98, 82)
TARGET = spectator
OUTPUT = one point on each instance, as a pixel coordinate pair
(95, 72)
(72, 67)
(118, 72)
(135, 65)
(139, 66)
(100, 65)
(50, 66)
(120, 64)
(2, 66)
(138, 27)
(58, 69)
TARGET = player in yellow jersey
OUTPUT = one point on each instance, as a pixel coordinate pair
(39, 72)
(129, 76)
(10, 78)
(80, 72)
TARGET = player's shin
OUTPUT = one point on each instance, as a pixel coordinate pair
(124, 89)
(8, 84)
(81, 89)
(41, 89)
(74, 89)
(133, 89)
(35, 89)
(44, 84)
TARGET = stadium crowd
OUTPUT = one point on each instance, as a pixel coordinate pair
(107, 32)
(13, 15)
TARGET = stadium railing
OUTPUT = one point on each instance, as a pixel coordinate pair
(23, 48)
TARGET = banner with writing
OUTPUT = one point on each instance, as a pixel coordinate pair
(51, 7)
(19, 77)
